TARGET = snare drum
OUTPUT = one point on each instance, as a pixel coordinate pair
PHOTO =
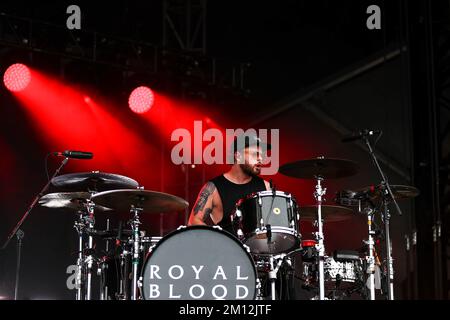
(342, 273)
(339, 273)
(267, 222)
(199, 263)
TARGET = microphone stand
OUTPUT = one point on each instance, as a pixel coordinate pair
(19, 233)
(386, 189)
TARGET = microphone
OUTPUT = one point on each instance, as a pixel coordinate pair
(361, 134)
(75, 154)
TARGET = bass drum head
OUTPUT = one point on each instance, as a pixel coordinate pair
(199, 263)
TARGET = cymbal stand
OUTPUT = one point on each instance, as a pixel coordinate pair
(101, 271)
(319, 193)
(124, 290)
(90, 250)
(80, 226)
(388, 244)
(135, 222)
(371, 258)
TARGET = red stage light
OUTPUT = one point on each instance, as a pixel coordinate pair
(17, 77)
(87, 100)
(141, 99)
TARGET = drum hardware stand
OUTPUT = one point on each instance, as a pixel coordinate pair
(371, 258)
(135, 222)
(274, 271)
(90, 258)
(101, 272)
(125, 290)
(19, 233)
(85, 255)
(258, 290)
(319, 193)
(389, 259)
(387, 193)
(79, 226)
(102, 269)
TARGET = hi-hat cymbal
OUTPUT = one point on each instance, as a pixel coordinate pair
(327, 168)
(400, 192)
(329, 213)
(93, 181)
(70, 200)
(148, 201)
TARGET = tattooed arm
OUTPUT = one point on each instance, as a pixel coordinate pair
(203, 207)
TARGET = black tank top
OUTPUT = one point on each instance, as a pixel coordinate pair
(230, 193)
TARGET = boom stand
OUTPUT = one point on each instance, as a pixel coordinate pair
(387, 193)
(19, 233)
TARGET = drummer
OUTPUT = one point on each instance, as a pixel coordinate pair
(217, 198)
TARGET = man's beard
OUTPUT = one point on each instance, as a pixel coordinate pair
(250, 170)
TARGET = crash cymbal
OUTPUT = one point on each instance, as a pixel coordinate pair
(329, 213)
(327, 168)
(149, 201)
(92, 181)
(69, 200)
(400, 192)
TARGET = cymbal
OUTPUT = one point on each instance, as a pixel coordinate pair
(149, 201)
(70, 200)
(400, 192)
(329, 213)
(327, 168)
(93, 181)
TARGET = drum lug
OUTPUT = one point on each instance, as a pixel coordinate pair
(247, 248)
(139, 283)
(217, 227)
(181, 227)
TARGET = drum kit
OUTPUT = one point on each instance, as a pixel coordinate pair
(256, 261)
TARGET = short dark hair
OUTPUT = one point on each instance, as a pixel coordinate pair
(249, 140)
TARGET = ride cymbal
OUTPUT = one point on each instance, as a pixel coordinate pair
(400, 192)
(326, 168)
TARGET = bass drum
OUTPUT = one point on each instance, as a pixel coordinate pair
(199, 263)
